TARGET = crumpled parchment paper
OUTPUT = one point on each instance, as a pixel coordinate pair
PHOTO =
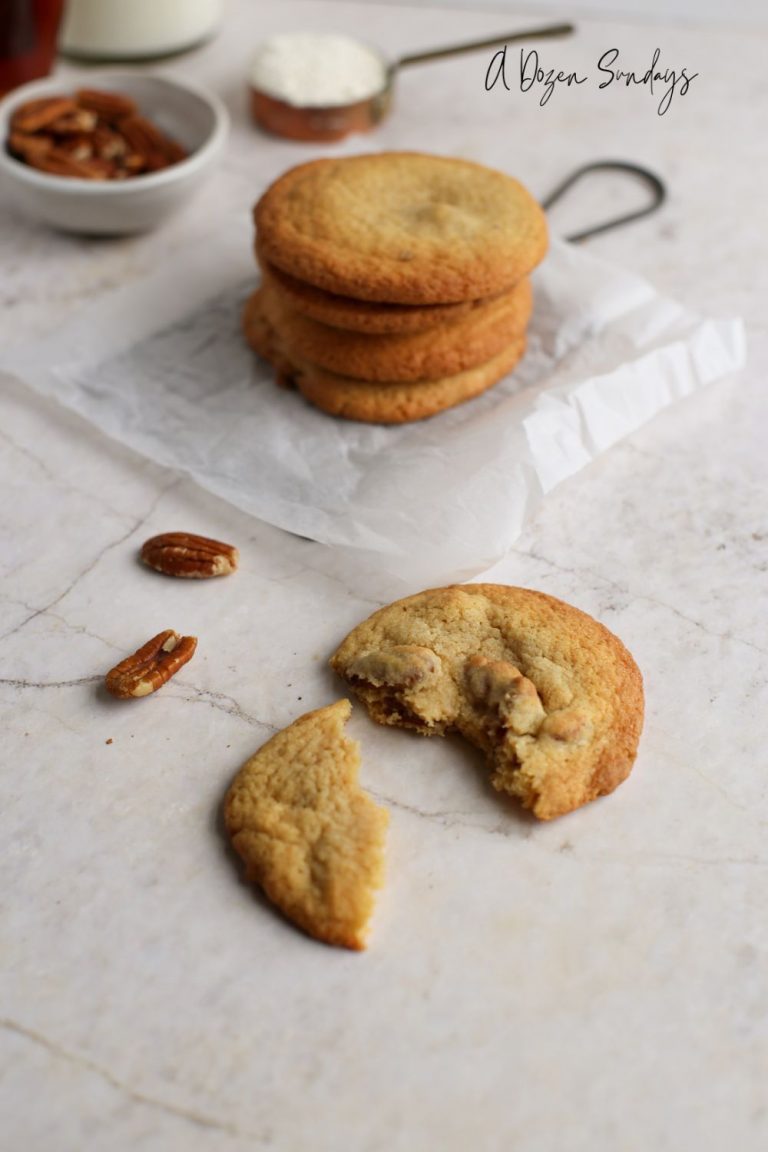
(162, 367)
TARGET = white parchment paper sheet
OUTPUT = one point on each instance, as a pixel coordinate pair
(162, 367)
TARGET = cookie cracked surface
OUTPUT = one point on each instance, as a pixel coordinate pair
(551, 696)
(306, 832)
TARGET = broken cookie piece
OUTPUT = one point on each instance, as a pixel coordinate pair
(553, 699)
(306, 832)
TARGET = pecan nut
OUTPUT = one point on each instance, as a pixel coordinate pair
(107, 144)
(401, 666)
(188, 556)
(567, 727)
(94, 136)
(58, 162)
(146, 139)
(74, 123)
(77, 147)
(149, 668)
(501, 688)
(108, 106)
(37, 114)
(30, 147)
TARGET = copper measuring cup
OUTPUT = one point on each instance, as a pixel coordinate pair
(325, 124)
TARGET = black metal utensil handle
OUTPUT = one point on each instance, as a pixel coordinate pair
(646, 177)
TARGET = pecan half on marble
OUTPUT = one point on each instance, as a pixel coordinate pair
(188, 556)
(149, 668)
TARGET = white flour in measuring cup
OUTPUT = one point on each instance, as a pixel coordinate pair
(316, 69)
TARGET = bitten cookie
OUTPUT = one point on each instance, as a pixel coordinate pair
(308, 835)
(361, 315)
(553, 699)
(470, 340)
(401, 227)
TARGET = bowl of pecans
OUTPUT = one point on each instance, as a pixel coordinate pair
(116, 156)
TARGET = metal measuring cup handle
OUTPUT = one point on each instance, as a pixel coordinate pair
(326, 124)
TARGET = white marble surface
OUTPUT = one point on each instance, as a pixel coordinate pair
(598, 983)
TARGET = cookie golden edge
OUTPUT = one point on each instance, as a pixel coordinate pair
(338, 268)
(364, 316)
(577, 775)
(390, 402)
(402, 403)
(343, 917)
(465, 342)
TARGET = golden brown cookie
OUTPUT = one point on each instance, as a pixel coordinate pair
(263, 339)
(396, 402)
(453, 347)
(360, 315)
(308, 835)
(401, 227)
(374, 403)
(553, 699)
(257, 330)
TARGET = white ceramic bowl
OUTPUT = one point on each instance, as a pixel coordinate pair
(197, 119)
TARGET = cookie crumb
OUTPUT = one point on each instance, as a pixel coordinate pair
(108, 741)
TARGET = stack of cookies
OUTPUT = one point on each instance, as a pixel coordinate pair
(395, 285)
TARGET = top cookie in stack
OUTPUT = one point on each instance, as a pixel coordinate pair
(393, 285)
